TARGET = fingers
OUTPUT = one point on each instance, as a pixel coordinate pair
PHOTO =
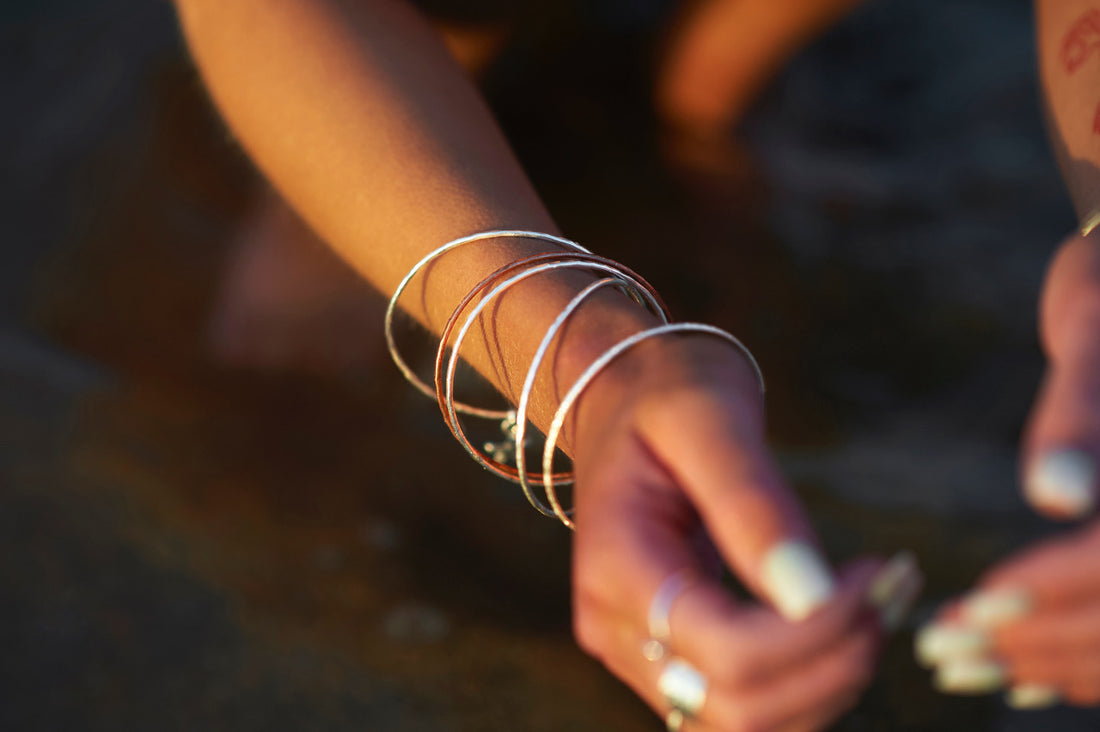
(1055, 573)
(756, 644)
(715, 451)
(1034, 624)
(763, 672)
(1063, 438)
(1052, 634)
(808, 695)
(690, 460)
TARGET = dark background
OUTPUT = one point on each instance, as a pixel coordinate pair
(186, 546)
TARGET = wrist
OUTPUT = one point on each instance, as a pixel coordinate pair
(675, 368)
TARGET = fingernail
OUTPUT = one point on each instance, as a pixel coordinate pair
(938, 643)
(1062, 481)
(796, 579)
(894, 589)
(990, 608)
(971, 676)
(1032, 696)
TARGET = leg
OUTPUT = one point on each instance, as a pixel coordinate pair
(288, 302)
(723, 52)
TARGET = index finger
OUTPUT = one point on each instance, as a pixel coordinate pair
(632, 541)
(715, 452)
(1058, 572)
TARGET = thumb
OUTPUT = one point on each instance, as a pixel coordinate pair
(717, 454)
(1062, 444)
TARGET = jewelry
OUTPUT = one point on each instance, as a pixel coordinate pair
(599, 365)
(674, 721)
(391, 307)
(514, 422)
(528, 267)
(683, 688)
(660, 609)
(655, 305)
(1090, 222)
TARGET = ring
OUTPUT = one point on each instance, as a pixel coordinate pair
(683, 688)
(675, 721)
(660, 609)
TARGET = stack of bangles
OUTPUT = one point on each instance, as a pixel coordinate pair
(682, 687)
(514, 422)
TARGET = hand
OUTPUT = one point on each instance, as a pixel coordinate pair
(1033, 624)
(669, 455)
(1035, 621)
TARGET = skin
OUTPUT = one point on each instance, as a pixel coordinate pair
(1058, 642)
(287, 302)
(723, 52)
(365, 124)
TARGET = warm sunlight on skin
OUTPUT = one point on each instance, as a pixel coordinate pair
(371, 131)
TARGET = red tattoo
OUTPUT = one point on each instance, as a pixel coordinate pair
(1081, 41)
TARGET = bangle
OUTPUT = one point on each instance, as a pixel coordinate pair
(514, 422)
(529, 382)
(527, 267)
(391, 342)
(593, 371)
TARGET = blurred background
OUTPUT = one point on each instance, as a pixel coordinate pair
(188, 541)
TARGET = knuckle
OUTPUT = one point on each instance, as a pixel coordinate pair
(1076, 310)
(591, 581)
(859, 662)
(736, 712)
(747, 723)
(588, 639)
(1084, 694)
(731, 670)
(1084, 302)
(588, 631)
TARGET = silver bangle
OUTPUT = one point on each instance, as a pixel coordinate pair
(447, 396)
(599, 365)
(391, 308)
(532, 371)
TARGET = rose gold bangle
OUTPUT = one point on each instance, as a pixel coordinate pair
(515, 421)
(391, 308)
(529, 382)
(526, 267)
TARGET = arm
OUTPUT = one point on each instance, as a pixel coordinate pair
(359, 117)
(1069, 70)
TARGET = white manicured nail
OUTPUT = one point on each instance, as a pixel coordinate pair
(796, 579)
(1032, 696)
(970, 676)
(990, 608)
(894, 589)
(940, 643)
(1062, 481)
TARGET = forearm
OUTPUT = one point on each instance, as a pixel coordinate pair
(357, 114)
(1069, 67)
